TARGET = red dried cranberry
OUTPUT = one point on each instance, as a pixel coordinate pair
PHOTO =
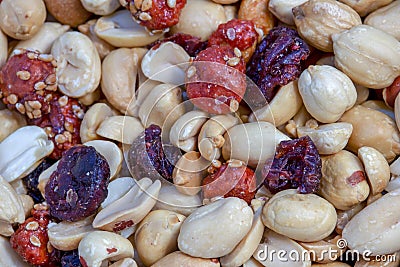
(79, 184)
(229, 181)
(215, 81)
(156, 15)
(70, 259)
(296, 164)
(277, 60)
(192, 45)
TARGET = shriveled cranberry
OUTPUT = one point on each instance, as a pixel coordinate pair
(237, 33)
(31, 181)
(156, 15)
(296, 164)
(70, 259)
(231, 181)
(27, 81)
(192, 45)
(30, 240)
(215, 81)
(62, 124)
(277, 60)
(79, 184)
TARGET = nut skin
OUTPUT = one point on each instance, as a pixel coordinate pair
(257, 12)
(70, 12)
(390, 93)
(317, 20)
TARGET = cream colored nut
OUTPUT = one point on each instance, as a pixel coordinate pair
(317, 249)
(119, 86)
(8, 256)
(21, 150)
(145, 87)
(252, 262)
(183, 133)
(11, 121)
(303, 217)
(127, 262)
(27, 204)
(66, 236)
(11, 208)
(22, 21)
(92, 119)
(120, 30)
(111, 152)
(99, 246)
(210, 139)
(328, 138)
(162, 106)
(358, 53)
(124, 129)
(91, 98)
(372, 198)
(317, 20)
(257, 11)
(45, 176)
(365, 123)
(364, 7)
(78, 64)
(166, 63)
(69, 12)
(391, 260)
(379, 105)
(6, 229)
(327, 92)
(44, 38)
(231, 12)
(343, 181)
(130, 209)
(171, 199)
(376, 227)
(362, 94)
(103, 48)
(244, 250)
(326, 60)
(278, 242)
(178, 258)
(189, 172)
(117, 189)
(101, 7)
(200, 18)
(252, 143)
(386, 19)
(157, 234)
(19, 186)
(344, 216)
(3, 48)
(376, 168)
(393, 185)
(199, 237)
(285, 104)
(282, 9)
(298, 120)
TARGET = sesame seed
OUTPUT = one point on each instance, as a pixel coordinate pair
(52, 87)
(63, 101)
(145, 16)
(234, 163)
(233, 61)
(231, 34)
(32, 226)
(31, 55)
(68, 126)
(45, 57)
(35, 241)
(37, 113)
(35, 104)
(39, 86)
(23, 75)
(237, 52)
(138, 3)
(12, 99)
(68, 135)
(60, 139)
(233, 105)
(20, 108)
(171, 3)
(146, 5)
(51, 79)
(191, 71)
(30, 115)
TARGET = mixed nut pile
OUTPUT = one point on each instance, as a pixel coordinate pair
(193, 133)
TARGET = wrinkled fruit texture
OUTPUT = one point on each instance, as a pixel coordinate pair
(296, 165)
(70, 259)
(215, 81)
(191, 44)
(277, 60)
(31, 181)
(156, 15)
(79, 185)
(228, 181)
(30, 240)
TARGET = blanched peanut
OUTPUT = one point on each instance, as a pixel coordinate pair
(200, 238)
(3, 48)
(319, 247)
(363, 7)
(124, 129)
(282, 9)
(101, 7)
(117, 188)
(92, 119)
(157, 234)
(200, 18)
(178, 258)
(303, 217)
(386, 19)
(379, 105)
(298, 120)
(11, 208)
(343, 181)
(11, 121)
(344, 216)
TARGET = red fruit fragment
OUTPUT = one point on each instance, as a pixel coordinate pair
(215, 81)
(191, 44)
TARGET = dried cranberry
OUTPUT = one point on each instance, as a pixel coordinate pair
(215, 81)
(156, 15)
(31, 181)
(70, 259)
(79, 184)
(230, 181)
(277, 60)
(192, 45)
(296, 164)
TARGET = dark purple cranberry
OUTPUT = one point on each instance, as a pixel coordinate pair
(70, 259)
(31, 181)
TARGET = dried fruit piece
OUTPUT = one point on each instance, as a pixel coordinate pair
(27, 81)
(70, 259)
(30, 240)
(236, 33)
(215, 82)
(296, 164)
(232, 179)
(31, 181)
(79, 185)
(191, 44)
(155, 15)
(277, 60)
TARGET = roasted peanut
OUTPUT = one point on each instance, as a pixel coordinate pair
(11, 121)
(258, 12)
(124, 129)
(386, 19)
(92, 120)
(70, 12)
(363, 7)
